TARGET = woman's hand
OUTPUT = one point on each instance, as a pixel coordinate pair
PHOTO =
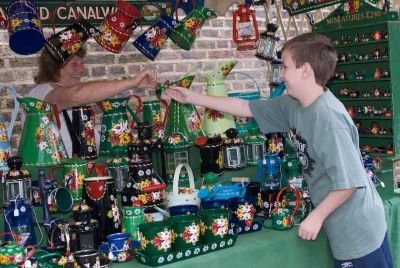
(145, 79)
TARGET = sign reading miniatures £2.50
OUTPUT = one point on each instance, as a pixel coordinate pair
(295, 7)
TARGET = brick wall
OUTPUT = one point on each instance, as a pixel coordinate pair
(213, 45)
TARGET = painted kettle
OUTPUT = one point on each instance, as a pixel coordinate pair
(283, 217)
(116, 131)
(41, 143)
(216, 123)
(5, 133)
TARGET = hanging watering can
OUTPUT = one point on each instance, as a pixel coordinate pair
(115, 128)
(5, 133)
(216, 123)
(151, 41)
(183, 118)
(282, 217)
(185, 34)
(152, 115)
(40, 143)
(24, 27)
(118, 27)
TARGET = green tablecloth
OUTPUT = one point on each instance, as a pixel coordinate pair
(392, 211)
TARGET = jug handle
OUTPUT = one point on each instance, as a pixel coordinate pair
(165, 103)
(57, 116)
(51, 171)
(138, 109)
(16, 109)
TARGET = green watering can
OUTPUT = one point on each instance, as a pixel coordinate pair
(115, 127)
(185, 34)
(216, 123)
(41, 143)
(283, 217)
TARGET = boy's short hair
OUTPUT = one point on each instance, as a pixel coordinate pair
(317, 50)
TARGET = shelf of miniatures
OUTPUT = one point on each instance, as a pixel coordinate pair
(365, 40)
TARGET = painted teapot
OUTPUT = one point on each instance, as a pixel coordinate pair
(115, 128)
(283, 217)
(12, 255)
(41, 143)
(5, 133)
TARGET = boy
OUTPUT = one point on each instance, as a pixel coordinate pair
(326, 141)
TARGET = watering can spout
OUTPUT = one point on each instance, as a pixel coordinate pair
(221, 71)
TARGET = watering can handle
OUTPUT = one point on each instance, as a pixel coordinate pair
(165, 103)
(138, 109)
(16, 109)
(295, 191)
(51, 171)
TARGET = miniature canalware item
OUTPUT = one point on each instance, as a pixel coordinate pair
(156, 237)
(214, 224)
(186, 231)
(182, 195)
(183, 118)
(233, 150)
(13, 255)
(119, 241)
(116, 131)
(216, 123)
(283, 218)
(24, 27)
(211, 155)
(64, 44)
(87, 258)
(118, 27)
(151, 41)
(75, 170)
(243, 213)
(5, 133)
(40, 143)
(185, 34)
(133, 217)
(62, 199)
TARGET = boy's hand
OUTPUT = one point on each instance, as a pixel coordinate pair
(310, 227)
(179, 94)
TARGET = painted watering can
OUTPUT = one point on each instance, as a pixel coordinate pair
(75, 170)
(152, 115)
(40, 143)
(282, 217)
(183, 118)
(151, 41)
(24, 27)
(116, 128)
(118, 27)
(216, 123)
(185, 34)
(5, 134)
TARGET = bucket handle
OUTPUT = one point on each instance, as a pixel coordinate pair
(135, 113)
(175, 187)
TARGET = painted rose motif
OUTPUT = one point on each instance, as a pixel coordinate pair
(194, 122)
(191, 233)
(163, 240)
(191, 25)
(106, 106)
(107, 36)
(156, 36)
(213, 114)
(220, 227)
(120, 134)
(246, 213)
(88, 134)
(70, 41)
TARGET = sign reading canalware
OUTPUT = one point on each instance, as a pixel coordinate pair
(62, 13)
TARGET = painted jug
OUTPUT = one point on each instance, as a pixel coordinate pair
(185, 34)
(118, 27)
(116, 126)
(24, 27)
(40, 143)
(183, 118)
(75, 170)
(216, 123)
(283, 217)
(5, 133)
(12, 255)
(151, 41)
(152, 115)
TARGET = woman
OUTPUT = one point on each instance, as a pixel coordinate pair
(60, 84)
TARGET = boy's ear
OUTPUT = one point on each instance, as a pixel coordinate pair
(307, 70)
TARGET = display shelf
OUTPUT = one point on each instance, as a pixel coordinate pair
(361, 62)
(359, 81)
(363, 99)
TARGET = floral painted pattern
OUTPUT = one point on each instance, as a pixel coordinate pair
(88, 135)
(163, 240)
(70, 41)
(213, 114)
(74, 180)
(115, 214)
(245, 212)
(108, 37)
(14, 23)
(194, 123)
(3, 133)
(120, 134)
(156, 37)
(191, 233)
(192, 25)
(219, 227)
(106, 106)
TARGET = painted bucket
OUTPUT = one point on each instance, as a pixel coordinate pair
(133, 217)
(118, 27)
(214, 224)
(187, 231)
(119, 241)
(24, 27)
(156, 237)
(151, 41)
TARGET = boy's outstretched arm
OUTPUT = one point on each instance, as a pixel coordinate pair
(311, 226)
(234, 106)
